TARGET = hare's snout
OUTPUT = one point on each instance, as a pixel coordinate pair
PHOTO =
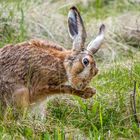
(80, 84)
(96, 71)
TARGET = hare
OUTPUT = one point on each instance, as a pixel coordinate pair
(32, 70)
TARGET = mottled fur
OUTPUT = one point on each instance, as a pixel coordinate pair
(31, 71)
(33, 67)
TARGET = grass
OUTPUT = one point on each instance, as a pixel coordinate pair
(108, 115)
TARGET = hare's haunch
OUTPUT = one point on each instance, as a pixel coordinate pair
(31, 71)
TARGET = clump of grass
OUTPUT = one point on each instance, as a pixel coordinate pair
(12, 26)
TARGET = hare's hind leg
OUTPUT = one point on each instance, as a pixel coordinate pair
(21, 98)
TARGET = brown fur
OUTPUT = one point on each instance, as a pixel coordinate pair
(26, 69)
(31, 71)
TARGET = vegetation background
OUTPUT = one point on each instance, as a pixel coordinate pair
(108, 115)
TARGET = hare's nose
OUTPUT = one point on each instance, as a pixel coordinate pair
(96, 71)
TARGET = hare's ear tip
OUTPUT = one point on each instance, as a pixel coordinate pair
(102, 28)
(74, 8)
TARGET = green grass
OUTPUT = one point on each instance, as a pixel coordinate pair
(108, 115)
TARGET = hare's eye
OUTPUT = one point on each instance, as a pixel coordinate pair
(85, 61)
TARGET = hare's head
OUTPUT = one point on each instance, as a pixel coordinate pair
(80, 65)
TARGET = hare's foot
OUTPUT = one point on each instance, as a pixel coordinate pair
(39, 111)
(88, 93)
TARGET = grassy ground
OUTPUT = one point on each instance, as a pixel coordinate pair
(108, 115)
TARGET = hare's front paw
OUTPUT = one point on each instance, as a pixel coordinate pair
(88, 93)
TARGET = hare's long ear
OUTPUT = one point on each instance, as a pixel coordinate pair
(76, 29)
(95, 44)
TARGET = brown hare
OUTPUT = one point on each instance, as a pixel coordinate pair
(32, 70)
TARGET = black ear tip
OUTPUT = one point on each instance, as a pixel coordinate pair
(102, 28)
(74, 8)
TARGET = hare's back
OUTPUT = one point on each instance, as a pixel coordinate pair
(37, 61)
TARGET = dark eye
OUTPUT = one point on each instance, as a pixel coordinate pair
(85, 61)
